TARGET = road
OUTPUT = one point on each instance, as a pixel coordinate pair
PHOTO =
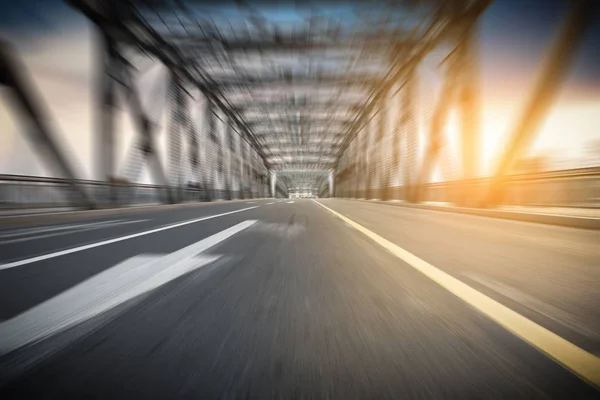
(285, 299)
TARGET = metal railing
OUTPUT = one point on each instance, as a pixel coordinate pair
(562, 188)
(18, 192)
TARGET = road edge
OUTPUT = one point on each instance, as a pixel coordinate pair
(580, 362)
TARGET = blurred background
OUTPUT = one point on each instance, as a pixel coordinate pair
(385, 97)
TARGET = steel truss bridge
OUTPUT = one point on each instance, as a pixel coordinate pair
(264, 99)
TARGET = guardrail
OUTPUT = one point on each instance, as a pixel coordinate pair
(561, 188)
(18, 191)
(564, 188)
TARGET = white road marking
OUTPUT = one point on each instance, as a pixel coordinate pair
(115, 240)
(586, 365)
(537, 305)
(250, 202)
(270, 203)
(106, 290)
(81, 228)
(29, 231)
(290, 202)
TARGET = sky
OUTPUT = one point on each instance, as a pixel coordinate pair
(56, 45)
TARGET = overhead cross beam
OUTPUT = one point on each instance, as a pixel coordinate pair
(293, 104)
(243, 82)
(437, 31)
(136, 33)
(301, 121)
(373, 55)
(296, 42)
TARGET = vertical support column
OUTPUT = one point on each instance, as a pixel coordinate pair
(145, 142)
(356, 175)
(245, 169)
(359, 165)
(226, 167)
(235, 165)
(214, 134)
(273, 184)
(220, 175)
(250, 174)
(410, 97)
(384, 168)
(13, 75)
(207, 170)
(435, 137)
(105, 142)
(367, 161)
(241, 169)
(469, 109)
(254, 176)
(331, 183)
(177, 122)
(396, 147)
(194, 157)
(578, 21)
(469, 102)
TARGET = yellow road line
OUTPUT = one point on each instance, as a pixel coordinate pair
(577, 360)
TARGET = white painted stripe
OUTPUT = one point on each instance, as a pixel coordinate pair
(82, 228)
(115, 240)
(29, 231)
(270, 203)
(542, 307)
(250, 202)
(106, 290)
(290, 202)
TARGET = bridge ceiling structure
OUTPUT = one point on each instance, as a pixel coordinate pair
(296, 79)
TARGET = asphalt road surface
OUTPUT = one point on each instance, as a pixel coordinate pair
(285, 299)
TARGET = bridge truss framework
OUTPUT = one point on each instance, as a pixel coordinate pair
(325, 99)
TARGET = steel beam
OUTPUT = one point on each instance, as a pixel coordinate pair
(226, 169)
(434, 34)
(384, 176)
(301, 42)
(356, 170)
(28, 102)
(410, 131)
(145, 141)
(290, 104)
(435, 137)
(367, 160)
(561, 53)
(137, 33)
(105, 125)
(177, 125)
(283, 80)
(397, 142)
(469, 100)
(294, 119)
